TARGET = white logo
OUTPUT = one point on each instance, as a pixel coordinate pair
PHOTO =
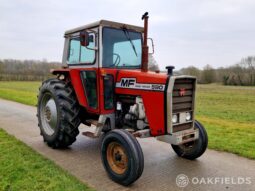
(182, 180)
(131, 83)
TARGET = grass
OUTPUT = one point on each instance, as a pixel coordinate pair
(226, 102)
(22, 92)
(227, 112)
(21, 168)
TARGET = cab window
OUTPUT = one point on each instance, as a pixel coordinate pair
(78, 54)
(122, 48)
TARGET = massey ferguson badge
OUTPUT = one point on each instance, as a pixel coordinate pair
(132, 84)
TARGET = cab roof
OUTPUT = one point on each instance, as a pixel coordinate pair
(105, 23)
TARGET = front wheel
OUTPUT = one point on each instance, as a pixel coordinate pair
(122, 157)
(193, 149)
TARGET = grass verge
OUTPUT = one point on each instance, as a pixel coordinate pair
(228, 113)
(230, 136)
(21, 168)
(22, 92)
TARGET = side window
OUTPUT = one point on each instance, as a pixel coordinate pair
(79, 54)
(74, 51)
(88, 55)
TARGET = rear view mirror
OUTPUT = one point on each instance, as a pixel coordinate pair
(84, 38)
(151, 46)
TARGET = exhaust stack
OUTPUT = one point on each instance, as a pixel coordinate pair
(145, 51)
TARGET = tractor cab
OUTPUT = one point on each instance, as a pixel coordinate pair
(104, 44)
(97, 52)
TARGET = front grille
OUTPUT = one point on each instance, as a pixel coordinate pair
(182, 127)
(183, 100)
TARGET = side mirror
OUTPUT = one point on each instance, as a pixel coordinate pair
(84, 38)
(151, 46)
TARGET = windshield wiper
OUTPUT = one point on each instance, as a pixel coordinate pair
(128, 37)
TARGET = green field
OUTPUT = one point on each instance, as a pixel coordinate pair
(21, 168)
(229, 116)
(23, 92)
(228, 113)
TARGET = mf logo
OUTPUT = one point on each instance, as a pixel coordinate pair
(127, 82)
(131, 83)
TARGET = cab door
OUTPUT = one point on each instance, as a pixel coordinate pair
(90, 81)
(83, 64)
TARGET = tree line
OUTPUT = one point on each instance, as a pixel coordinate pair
(26, 70)
(242, 73)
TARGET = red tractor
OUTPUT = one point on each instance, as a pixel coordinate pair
(105, 83)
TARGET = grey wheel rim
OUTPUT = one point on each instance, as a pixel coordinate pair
(48, 114)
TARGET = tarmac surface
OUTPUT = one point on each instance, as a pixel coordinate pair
(212, 171)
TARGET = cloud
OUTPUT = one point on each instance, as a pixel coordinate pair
(197, 32)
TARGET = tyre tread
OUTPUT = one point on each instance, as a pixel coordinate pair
(69, 112)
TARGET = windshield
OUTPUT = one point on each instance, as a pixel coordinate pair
(122, 48)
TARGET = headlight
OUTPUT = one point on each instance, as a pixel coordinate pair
(188, 116)
(175, 118)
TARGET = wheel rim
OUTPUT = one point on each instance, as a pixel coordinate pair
(48, 114)
(117, 158)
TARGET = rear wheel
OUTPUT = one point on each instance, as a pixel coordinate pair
(122, 157)
(194, 149)
(58, 113)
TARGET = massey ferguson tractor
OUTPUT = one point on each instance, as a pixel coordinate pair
(105, 84)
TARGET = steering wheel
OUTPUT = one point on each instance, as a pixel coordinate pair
(117, 61)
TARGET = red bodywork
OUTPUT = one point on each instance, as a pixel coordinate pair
(154, 101)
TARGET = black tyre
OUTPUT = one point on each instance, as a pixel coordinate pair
(194, 149)
(58, 113)
(122, 157)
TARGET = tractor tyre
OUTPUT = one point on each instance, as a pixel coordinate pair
(58, 113)
(122, 157)
(194, 149)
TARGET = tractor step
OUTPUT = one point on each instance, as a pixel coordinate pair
(93, 122)
(97, 128)
(89, 134)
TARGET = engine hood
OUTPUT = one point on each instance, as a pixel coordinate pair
(141, 80)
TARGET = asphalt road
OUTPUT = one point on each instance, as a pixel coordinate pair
(213, 171)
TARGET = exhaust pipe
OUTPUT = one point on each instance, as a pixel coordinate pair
(145, 51)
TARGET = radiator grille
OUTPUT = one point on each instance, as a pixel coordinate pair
(183, 100)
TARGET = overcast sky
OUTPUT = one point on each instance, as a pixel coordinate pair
(185, 32)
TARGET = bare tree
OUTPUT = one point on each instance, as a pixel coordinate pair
(25, 69)
(153, 65)
(208, 75)
(249, 63)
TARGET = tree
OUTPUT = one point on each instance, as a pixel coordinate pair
(208, 75)
(249, 63)
(25, 69)
(152, 65)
